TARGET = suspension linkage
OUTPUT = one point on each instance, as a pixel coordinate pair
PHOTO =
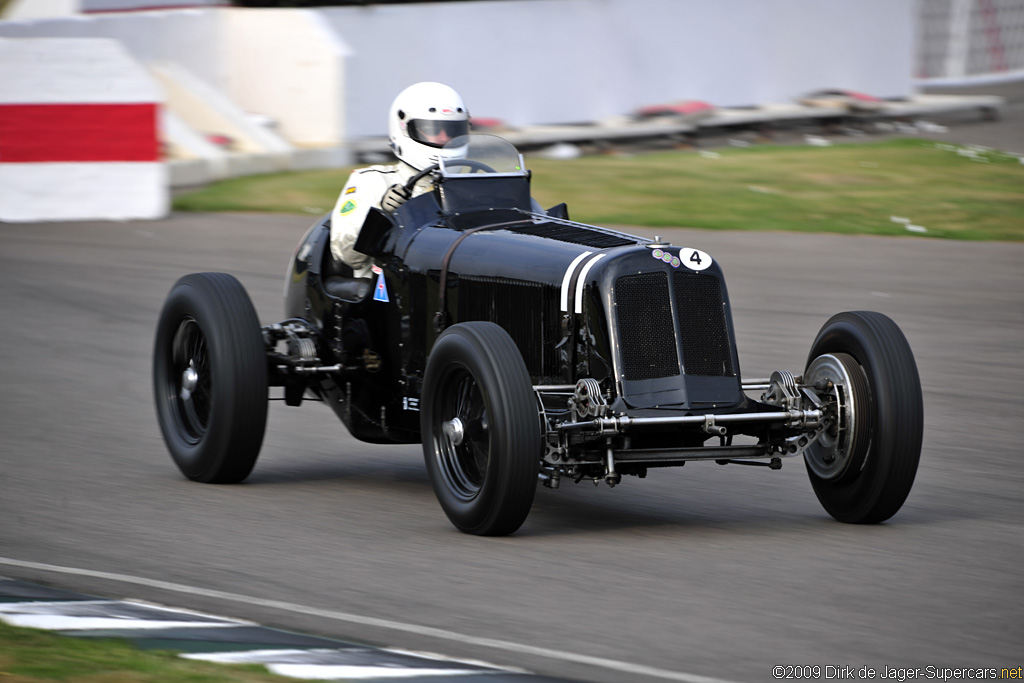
(618, 424)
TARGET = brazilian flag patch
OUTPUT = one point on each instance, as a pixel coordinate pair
(347, 207)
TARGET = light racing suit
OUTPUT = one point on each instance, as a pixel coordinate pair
(366, 187)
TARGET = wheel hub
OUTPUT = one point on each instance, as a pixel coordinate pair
(833, 452)
(454, 430)
(189, 381)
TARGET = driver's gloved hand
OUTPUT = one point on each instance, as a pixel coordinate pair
(394, 198)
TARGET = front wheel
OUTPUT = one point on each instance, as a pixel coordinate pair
(480, 427)
(210, 378)
(863, 466)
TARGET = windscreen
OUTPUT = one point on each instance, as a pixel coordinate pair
(472, 154)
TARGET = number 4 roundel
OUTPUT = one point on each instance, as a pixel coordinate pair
(694, 259)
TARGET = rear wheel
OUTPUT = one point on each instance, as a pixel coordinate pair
(481, 432)
(863, 467)
(210, 378)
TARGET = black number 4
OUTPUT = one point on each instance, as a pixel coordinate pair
(695, 257)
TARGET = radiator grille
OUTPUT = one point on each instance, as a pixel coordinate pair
(648, 341)
(528, 311)
(702, 324)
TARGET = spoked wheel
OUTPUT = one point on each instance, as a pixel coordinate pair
(210, 378)
(863, 465)
(481, 431)
(463, 450)
(190, 358)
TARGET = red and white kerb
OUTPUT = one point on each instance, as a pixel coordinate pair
(79, 122)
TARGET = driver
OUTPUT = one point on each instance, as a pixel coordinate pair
(422, 119)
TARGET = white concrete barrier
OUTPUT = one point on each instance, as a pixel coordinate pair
(287, 65)
(78, 133)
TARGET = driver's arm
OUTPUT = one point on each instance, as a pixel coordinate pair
(364, 189)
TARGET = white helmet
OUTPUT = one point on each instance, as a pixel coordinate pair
(423, 118)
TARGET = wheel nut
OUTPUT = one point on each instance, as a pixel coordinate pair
(454, 430)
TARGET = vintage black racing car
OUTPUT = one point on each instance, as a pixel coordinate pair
(520, 346)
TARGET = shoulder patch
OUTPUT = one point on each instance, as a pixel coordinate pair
(347, 208)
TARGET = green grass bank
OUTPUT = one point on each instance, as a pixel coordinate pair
(939, 190)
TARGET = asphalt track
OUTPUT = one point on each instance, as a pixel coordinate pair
(713, 571)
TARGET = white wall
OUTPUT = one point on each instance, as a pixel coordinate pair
(189, 37)
(72, 71)
(286, 64)
(329, 75)
(289, 65)
(565, 61)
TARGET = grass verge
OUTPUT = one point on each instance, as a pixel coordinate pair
(949, 191)
(33, 656)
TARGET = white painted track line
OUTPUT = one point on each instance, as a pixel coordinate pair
(441, 634)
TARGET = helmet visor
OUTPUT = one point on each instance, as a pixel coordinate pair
(435, 133)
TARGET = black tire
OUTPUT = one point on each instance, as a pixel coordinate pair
(210, 378)
(484, 468)
(888, 422)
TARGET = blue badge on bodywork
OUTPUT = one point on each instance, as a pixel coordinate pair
(380, 292)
